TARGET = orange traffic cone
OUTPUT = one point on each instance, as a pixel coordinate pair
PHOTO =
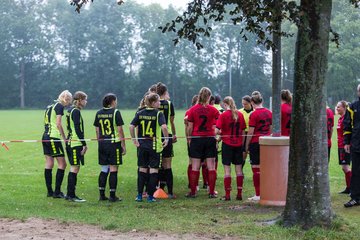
(160, 193)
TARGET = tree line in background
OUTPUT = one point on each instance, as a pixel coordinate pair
(46, 47)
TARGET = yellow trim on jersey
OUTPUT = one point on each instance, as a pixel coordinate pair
(158, 143)
(351, 116)
(53, 146)
(118, 156)
(116, 137)
(246, 117)
(75, 157)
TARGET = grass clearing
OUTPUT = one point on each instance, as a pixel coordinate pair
(23, 192)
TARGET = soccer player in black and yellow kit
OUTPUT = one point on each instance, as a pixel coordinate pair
(150, 122)
(167, 107)
(109, 131)
(52, 146)
(351, 124)
(76, 145)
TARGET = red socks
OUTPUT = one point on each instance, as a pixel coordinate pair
(256, 180)
(239, 183)
(227, 185)
(204, 171)
(348, 178)
(189, 173)
(194, 179)
(212, 181)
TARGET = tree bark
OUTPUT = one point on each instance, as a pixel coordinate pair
(308, 199)
(276, 73)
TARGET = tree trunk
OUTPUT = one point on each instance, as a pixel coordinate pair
(276, 74)
(22, 84)
(308, 201)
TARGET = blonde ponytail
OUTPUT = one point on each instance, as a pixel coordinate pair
(230, 101)
(204, 95)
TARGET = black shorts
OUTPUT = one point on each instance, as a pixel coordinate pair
(148, 158)
(52, 148)
(231, 155)
(168, 151)
(344, 157)
(203, 148)
(74, 155)
(188, 148)
(110, 153)
(254, 149)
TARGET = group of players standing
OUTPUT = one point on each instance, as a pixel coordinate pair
(153, 132)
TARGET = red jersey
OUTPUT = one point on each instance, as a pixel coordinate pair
(329, 124)
(340, 132)
(286, 110)
(203, 119)
(231, 129)
(260, 120)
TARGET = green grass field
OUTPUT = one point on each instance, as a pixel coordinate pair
(23, 192)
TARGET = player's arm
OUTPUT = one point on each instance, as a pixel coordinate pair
(243, 125)
(166, 135)
(173, 130)
(242, 133)
(172, 123)
(122, 139)
(132, 134)
(185, 123)
(218, 129)
(59, 126)
(76, 118)
(97, 131)
(249, 137)
(189, 130)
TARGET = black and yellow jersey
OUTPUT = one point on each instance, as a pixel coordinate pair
(246, 114)
(75, 127)
(351, 124)
(167, 108)
(50, 119)
(107, 120)
(149, 122)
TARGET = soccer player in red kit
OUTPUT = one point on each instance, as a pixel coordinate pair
(344, 157)
(189, 169)
(259, 125)
(286, 109)
(201, 129)
(330, 126)
(231, 126)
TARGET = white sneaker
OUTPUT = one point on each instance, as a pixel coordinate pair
(254, 198)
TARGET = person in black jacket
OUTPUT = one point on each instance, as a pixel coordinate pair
(76, 145)
(352, 145)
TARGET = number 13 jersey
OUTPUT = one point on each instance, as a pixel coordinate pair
(107, 120)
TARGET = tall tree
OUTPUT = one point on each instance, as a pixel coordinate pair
(308, 199)
(25, 39)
